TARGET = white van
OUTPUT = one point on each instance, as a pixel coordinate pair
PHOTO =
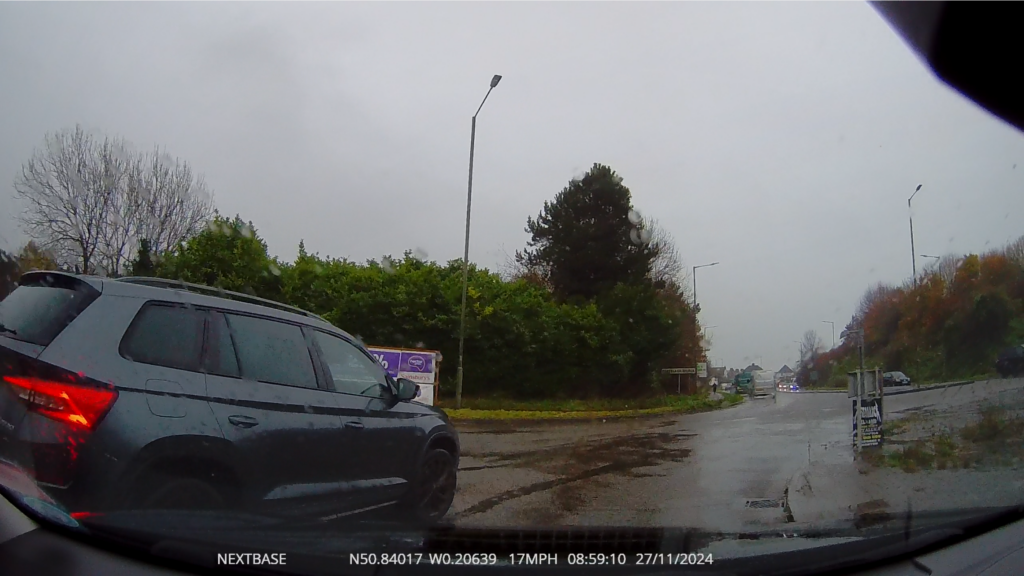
(764, 383)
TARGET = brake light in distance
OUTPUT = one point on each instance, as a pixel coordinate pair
(82, 406)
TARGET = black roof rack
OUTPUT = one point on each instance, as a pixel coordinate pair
(218, 292)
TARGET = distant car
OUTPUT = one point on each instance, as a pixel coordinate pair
(895, 379)
(1011, 361)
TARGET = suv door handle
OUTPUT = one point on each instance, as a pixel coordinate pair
(243, 421)
(354, 424)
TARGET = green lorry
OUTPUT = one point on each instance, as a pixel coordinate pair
(744, 383)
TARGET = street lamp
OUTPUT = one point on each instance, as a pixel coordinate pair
(913, 253)
(465, 256)
(833, 331)
(695, 280)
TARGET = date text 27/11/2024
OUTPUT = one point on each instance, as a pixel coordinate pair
(529, 559)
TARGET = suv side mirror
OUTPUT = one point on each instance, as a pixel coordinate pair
(407, 389)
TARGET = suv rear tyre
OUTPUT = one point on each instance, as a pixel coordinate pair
(184, 493)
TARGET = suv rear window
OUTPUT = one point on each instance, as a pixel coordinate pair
(271, 351)
(43, 305)
(165, 335)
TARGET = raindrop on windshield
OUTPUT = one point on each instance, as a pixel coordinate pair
(419, 253)
(634, 217)
(639, 236)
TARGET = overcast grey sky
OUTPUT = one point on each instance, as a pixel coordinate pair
(780, 139)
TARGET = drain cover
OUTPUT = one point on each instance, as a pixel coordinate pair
(764, 503)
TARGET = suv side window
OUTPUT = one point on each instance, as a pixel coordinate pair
(220, 358)
(271, 351)
(352, 371)
(165, 335)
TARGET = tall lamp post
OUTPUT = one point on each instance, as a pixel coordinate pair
(913, 253)
(937, 258)
(695, 280)
(833, 331)
(465, 254)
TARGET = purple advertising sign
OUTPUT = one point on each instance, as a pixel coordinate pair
(389, 359)
(416, 365)
(417, 362)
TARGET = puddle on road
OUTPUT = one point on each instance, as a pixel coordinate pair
(621, 455)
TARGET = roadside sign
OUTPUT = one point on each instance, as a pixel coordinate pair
(872, 382)
(871, 420)
(702, 369)
(679, 370)
(420, 366)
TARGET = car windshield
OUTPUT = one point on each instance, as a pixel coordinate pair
(387, 268)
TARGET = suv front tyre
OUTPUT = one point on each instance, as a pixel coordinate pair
(433, 492)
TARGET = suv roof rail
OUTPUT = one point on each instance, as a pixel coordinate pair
(211, 291)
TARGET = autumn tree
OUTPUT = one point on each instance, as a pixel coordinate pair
(33, 257)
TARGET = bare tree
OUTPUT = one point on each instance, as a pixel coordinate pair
(91, 202)
(517, 267)
(810, 347)
(872, 296)
(117, 230)
(946, 268)
(67, 197)
(1014, 251)
(667, 266)
(176, 202)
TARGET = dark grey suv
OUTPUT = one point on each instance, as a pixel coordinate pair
(142, 393)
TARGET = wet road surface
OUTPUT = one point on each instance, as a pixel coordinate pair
(723, 470)
(726, 470)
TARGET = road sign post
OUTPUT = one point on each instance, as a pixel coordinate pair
(679, 376)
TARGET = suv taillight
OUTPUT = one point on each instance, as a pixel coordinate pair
(78, 405)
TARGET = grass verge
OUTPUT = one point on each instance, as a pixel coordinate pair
(996, 439)
(495, 409)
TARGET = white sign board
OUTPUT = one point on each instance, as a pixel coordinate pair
(679, 371)
(702, 369)
(872, 382)
(425, 394)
